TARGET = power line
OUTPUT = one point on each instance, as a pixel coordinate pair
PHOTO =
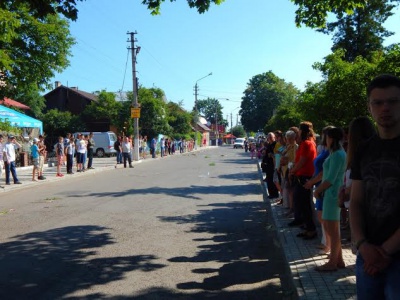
(126, 66)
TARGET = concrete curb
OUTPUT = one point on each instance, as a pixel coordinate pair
(294, 289)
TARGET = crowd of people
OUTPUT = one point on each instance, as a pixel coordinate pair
(76, 153)
(349, 176)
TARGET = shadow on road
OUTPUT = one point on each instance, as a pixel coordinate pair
(189, 192)
(253, 265)
(54, 263)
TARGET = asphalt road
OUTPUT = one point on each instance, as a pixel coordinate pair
(192, 226)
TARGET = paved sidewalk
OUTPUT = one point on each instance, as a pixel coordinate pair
(303, 256)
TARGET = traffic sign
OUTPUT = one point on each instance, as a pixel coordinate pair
(135, 112)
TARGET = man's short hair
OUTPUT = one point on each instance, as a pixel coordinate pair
(382, 82)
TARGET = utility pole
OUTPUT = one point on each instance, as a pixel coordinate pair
(135, 103)
(231, 123)
(196, 115)
(216, 127)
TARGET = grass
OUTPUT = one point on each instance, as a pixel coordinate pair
(211, 164)
(51, 199)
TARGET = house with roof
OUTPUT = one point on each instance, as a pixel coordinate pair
(72, 99)
(201, 126)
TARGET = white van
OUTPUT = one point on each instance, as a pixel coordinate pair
(104, 142)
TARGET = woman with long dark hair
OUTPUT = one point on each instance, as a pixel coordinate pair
(332, 180)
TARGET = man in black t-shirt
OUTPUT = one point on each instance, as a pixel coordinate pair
(375, 196)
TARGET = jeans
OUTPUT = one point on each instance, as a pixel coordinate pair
(385, 285)
(119, 157)
(153, 152)
(10, 167)
(162, 151)
(90, 157)
(70, 162)
(127, 157)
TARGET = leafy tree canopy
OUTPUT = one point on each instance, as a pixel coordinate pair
(362, 32)
(153, 115)
(41, 9)
(264, 93)
(309, 12)
(179, 120)
(31, 49)
(57, 123)
(238, 131)
(105, 108)
(210, 108)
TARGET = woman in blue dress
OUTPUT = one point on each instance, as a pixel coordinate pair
(332, 179)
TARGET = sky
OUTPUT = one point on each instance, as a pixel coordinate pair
(234, 41)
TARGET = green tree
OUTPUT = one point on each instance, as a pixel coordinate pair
(309, 12)
(345, 82)
(106, 107)
(314, 14)
(153, 116)
(7, 128)
(362, 32)
(238, 131)
(57, 123)
(287, 114)
(390, 60)
(32, 49)
(264, 93)
(210, 108)
(179, 120)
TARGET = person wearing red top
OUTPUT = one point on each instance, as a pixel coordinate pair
(303, 170)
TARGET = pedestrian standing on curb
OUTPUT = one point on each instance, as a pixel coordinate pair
(80, 148)
(91, 144)
(60, 155)
(35, 159)
(126, 151)
(117, 147)
(316, 180)
(273, 192)
(303, 170)
(144, 146)
(85, 155)
(1, 157)
(70, 151)
(375, 190)
(42, 157)
(9, 159)
(334, 168)
(153, 147)
(162, 147)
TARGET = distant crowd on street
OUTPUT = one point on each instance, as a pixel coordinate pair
(77, 152)
(350, 179)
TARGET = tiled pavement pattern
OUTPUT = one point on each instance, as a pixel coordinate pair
(303, 256)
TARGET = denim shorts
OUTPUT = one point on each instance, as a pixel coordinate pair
(385, 285)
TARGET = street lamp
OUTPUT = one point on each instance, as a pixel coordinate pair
(196, 117)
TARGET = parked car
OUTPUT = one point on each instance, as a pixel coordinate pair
(239, 143)
(104, 142)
